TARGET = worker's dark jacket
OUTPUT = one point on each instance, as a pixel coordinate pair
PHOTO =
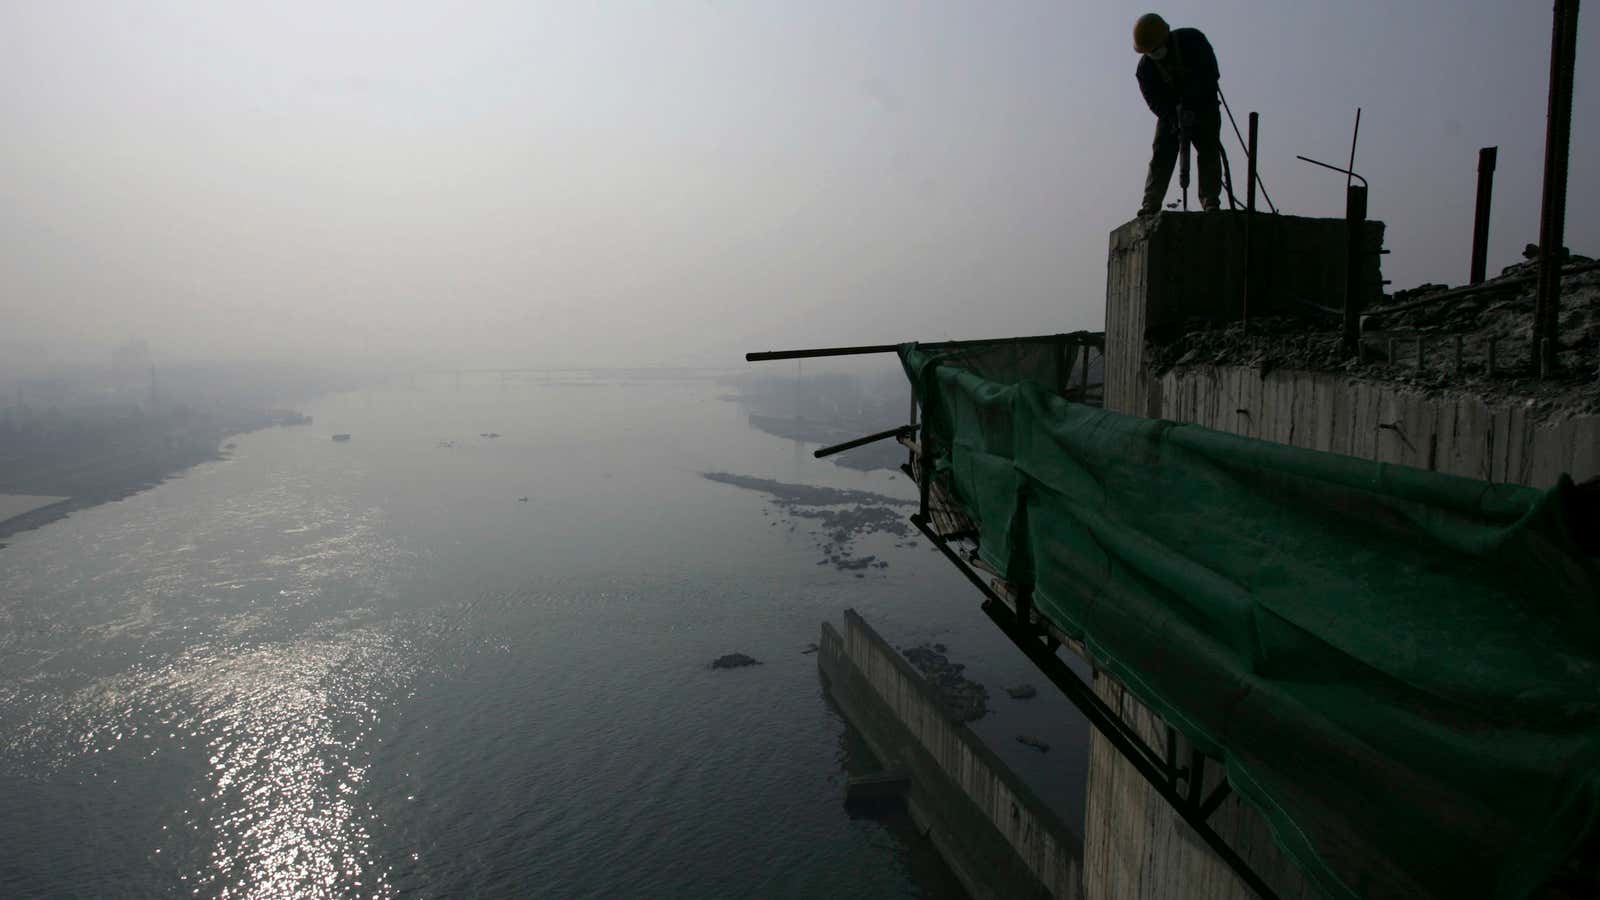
(1187, 77)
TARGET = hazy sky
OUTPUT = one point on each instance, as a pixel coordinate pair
(678, 182)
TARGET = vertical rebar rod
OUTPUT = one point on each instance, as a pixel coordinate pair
(1553, 210)
(1257, 180)
(1480, 217)
(1249, 214)
(1250, 163)
(1355, 221)
(1350, 170)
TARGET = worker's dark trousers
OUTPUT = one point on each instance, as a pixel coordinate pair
(1203, 136)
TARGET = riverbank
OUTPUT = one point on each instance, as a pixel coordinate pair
(82, 474)
(834, 519)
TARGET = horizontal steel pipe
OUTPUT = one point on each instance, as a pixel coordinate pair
(1086, 338)
(868, 439)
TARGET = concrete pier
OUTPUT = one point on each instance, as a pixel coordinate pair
(998, 838)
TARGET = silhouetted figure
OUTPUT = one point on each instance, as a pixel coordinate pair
(1178, 77)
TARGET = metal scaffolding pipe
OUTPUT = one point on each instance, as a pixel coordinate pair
(1250, 162)
(1355, 221)
(1480, 217)
(1553, 210)
(1249, 215)
(1086, 338)
(862, 441)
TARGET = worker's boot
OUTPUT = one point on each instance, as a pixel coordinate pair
(1211, 204)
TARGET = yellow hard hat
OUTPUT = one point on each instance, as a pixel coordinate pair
(1149, 33)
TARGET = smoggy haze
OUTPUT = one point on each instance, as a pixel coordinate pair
(671, 183)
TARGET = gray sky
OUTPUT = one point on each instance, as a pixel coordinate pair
(678, 182)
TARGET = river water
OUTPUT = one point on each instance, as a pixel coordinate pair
(369, 668)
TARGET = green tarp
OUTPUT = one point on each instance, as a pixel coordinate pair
(1399, 669)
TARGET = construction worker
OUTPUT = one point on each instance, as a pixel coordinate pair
(1178, 77)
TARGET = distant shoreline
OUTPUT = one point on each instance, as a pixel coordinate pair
(126, 476)
(44, 515)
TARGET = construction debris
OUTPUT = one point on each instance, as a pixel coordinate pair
(734, 661)
(1444, 346)
(964, 700)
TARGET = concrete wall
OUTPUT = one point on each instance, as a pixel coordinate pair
(1176, 270)
(1170, 271)
(1127, 387)
(998, 838)
(1456, 433)
(1137, 848)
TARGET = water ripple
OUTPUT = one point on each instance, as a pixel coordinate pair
(250, 655)
(284, 729)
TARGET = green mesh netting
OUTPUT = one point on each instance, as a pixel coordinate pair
(1400, 669)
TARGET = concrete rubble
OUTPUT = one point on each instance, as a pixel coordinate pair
(734, 661)
(964, 700)
(1498, 310)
